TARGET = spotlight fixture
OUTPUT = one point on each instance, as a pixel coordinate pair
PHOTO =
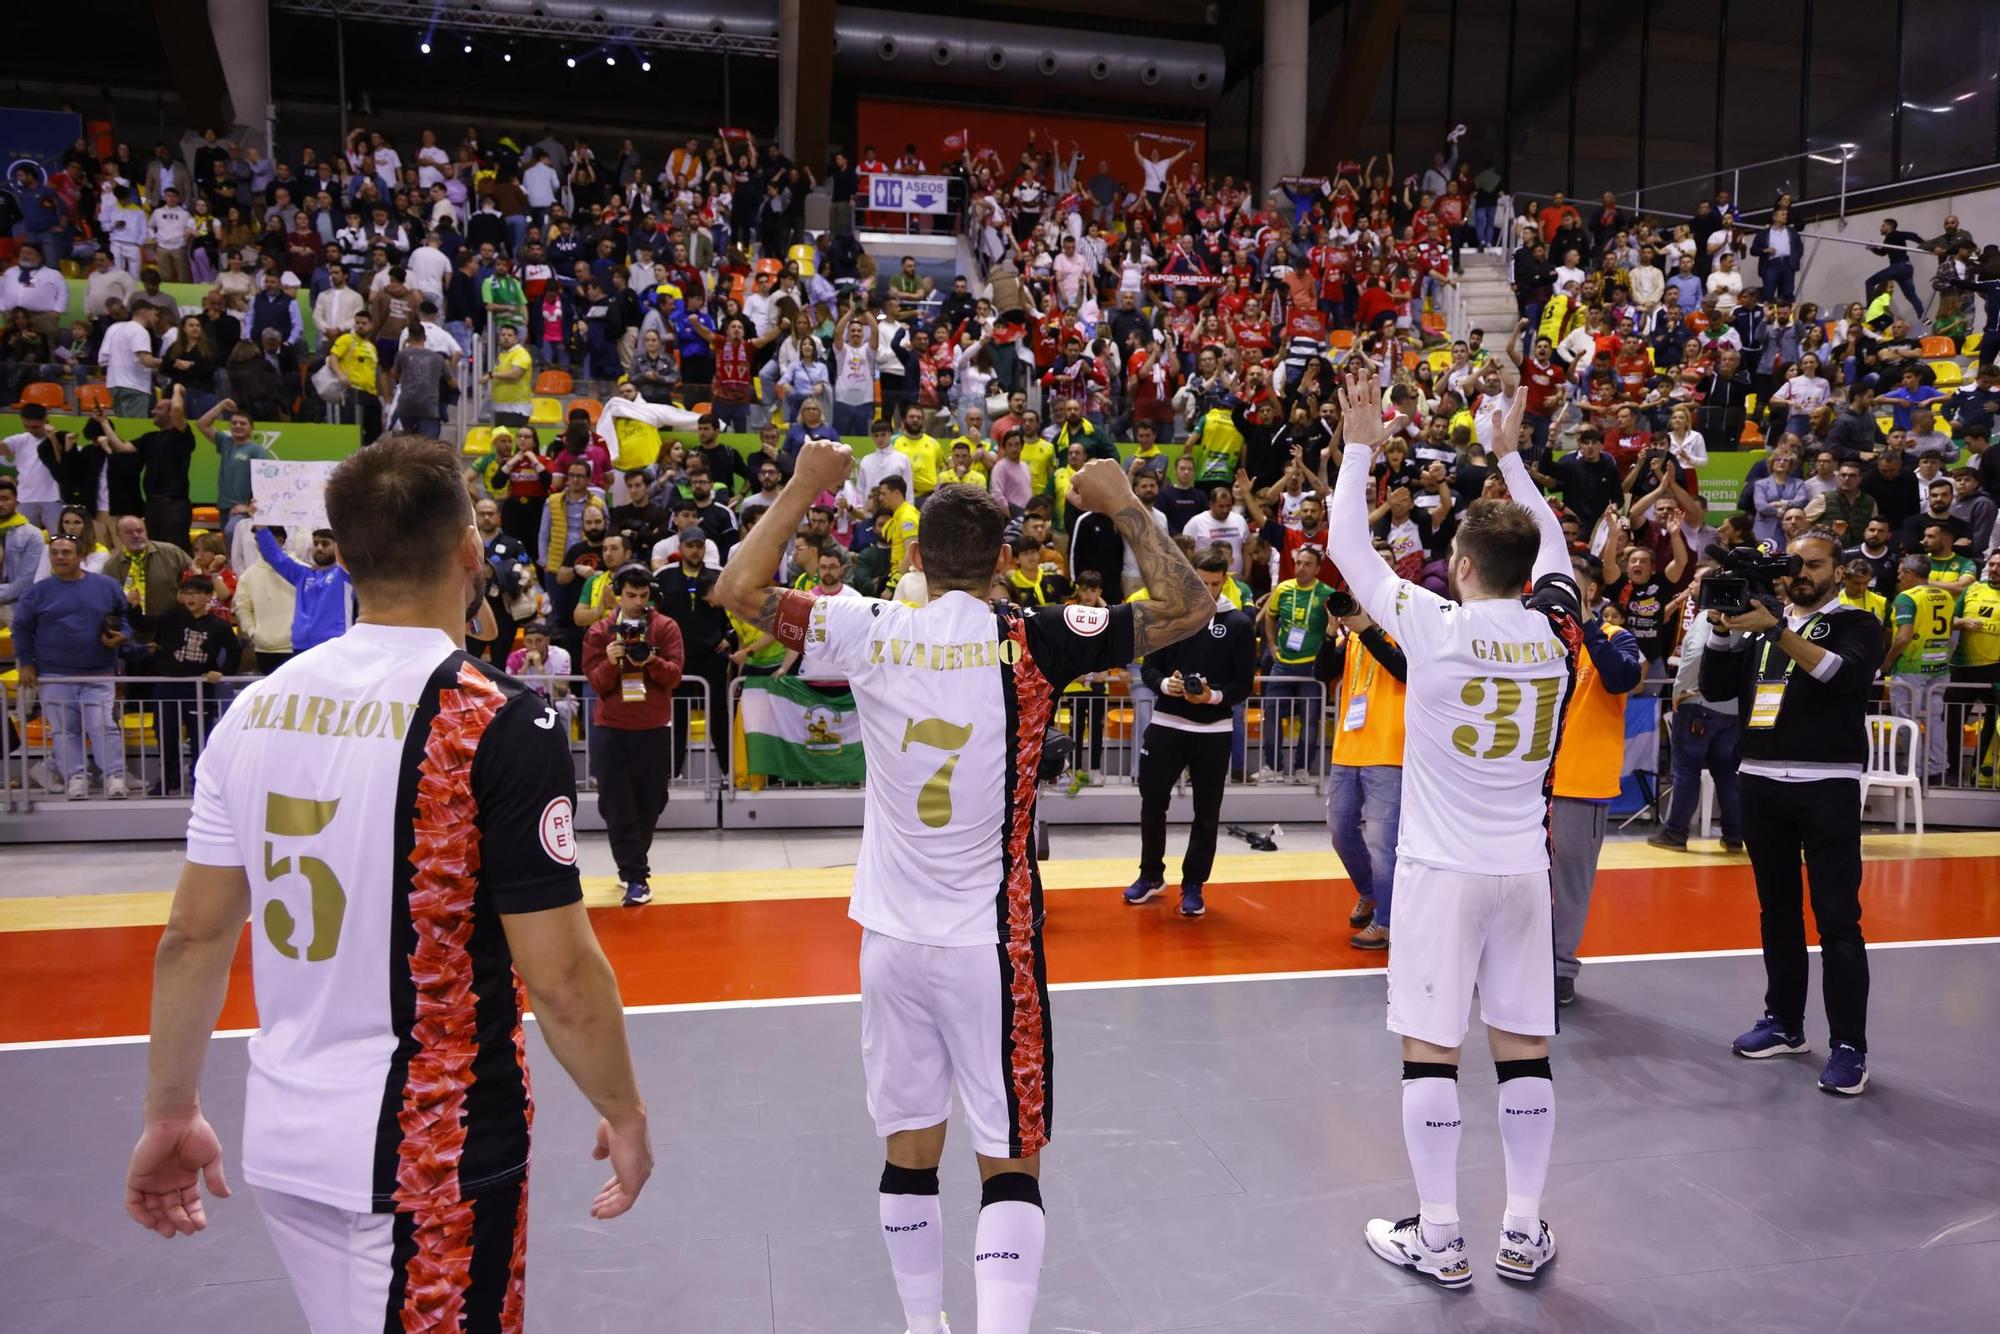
(507, 56)
(610, 59)
(468, 46)
(645, 66)
(424, 46)
(570, 61)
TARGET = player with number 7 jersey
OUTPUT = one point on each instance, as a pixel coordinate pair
(955, 698)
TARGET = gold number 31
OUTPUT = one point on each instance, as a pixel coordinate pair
(1506, 732)
(934, 801)
(302, 817)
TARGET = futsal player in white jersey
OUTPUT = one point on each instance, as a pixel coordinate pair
(393, 817)
(1488, 677)
(954, 699)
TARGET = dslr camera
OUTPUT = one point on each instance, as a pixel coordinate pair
(1340, 602)
(1748, 577)
(632, 634)
(1193, 685)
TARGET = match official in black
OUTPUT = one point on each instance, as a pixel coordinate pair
(1801, 681)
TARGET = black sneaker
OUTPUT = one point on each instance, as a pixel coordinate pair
(637, 894)
(1665, 840)
(1565, 991)
(1732, 845)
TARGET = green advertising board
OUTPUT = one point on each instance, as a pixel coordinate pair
(189, 296)
(285, 440)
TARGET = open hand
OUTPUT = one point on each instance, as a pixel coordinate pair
(1361, 421)
(163, 1183)
(630, 1149)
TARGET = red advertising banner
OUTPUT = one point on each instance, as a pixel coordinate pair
(939, 132)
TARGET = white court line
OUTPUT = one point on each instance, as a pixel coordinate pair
(1115, 984)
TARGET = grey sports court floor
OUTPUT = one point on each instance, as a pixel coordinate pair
(1218, 1148)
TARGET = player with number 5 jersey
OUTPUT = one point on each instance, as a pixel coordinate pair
(395, 820)
(1489, 673)
(954, 698)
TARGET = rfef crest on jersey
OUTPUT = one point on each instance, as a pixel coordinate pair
(558, 831)
(1087, 620)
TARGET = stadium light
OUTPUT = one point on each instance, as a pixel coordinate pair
(424, 46)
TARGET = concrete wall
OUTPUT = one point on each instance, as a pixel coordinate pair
(1834, 274)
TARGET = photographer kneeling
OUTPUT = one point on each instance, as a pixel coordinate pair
(1801, 676)
(633, 660)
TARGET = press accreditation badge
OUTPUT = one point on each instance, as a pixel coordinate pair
(1295, 639)
(1356, 716)
(1764, 706)
(632, 687)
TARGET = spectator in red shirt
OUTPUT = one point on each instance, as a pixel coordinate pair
(1543, 378)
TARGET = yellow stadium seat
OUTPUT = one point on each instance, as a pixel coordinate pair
(803, 256)
(546, 412)
(1971, 344)
(478, 441)
(1947, 373)
(1440, 359)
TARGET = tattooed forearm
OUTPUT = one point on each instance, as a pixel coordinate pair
(766, 615)
(1177, 603)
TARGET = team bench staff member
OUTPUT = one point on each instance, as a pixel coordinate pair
(1801, 682)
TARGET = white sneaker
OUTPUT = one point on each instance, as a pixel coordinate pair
(46, 774)
(1402, 1244)
(79, 787)
(116, 788)
(1521, 1257)
(944, 1326)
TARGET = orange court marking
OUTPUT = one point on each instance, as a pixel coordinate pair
(96, 982)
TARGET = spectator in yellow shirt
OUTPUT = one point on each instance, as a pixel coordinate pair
(926, 456)
(513, 378)
(901, 523)
(353, 355)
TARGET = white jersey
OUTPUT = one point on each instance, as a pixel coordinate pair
(389, 797)
(1484, 702)
(954, 698)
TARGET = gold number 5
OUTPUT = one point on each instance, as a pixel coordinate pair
(934, 801)
(301, 817)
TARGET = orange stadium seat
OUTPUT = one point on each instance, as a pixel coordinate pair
(554, 383)
(1937, 345)
(91, 397)
(48, 395)
(586, 405)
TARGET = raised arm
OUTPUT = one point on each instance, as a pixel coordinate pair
(1177, 604)
(1348, 540)
(746, 585)
(1553, 555)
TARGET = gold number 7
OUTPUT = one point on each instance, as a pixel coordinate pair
(302, 817)
(934, 801)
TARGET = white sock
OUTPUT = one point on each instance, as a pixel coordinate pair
(1431, 1127)
(913, 1228)
(1007, 1265)
(1527, 1129)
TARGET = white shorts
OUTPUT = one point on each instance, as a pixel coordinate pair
(1456, 930)
(973, 1016)
(461, 1267)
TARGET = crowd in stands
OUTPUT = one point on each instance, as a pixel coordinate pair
(1099, 320)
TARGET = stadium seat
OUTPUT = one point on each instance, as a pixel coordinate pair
(205, 516)
(1431, 320)
(1341, 340)
(50, 396)
(1971, 344)
(478, 441)
(546, 412)
(90, 397)
(555, 383)
(589, 405)
(803, 256)
(1937, 345)
(1409, 361)
(1440, 359)
(772, 265)
(1753, 435)
(1947, 372)
(699, 408)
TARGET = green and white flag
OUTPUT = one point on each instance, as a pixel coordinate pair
(791, 730)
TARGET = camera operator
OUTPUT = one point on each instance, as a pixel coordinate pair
(1801, 676)
(1199, 681)
(1704, 736)
(633, 661)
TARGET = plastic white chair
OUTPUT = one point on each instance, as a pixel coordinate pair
(1895, 749)
(1705, 813)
